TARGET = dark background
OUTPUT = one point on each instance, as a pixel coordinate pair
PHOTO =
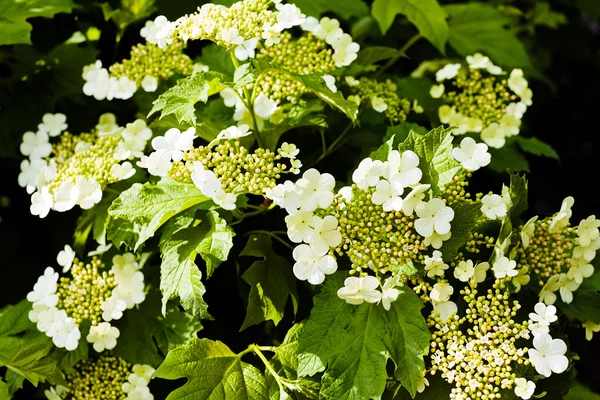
(564, 114)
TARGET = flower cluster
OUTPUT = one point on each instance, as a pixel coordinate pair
(149, 64)
(381, 96)
(106, 377)
(479, 102)
(224, 168)
(91, 293)
(75, 170)
(474, 353)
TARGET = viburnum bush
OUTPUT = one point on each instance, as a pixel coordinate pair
(273, 147)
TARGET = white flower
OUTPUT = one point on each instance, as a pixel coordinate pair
(417, 108)
(175, 142)
(122, 171)
(55, 393)
(65, 258)
(330, 82)
(345, 50)
(448, 72)
(134, 382)
(521, 279)
(405, 167)
(368, 173)
(494, 136)
(285, 196)
(315, 190)
(325, 234)
(149, 83)
(44, 291)
(328, 29)
(445, 309)
(53, 124)
(590, 329)
(472, 155)
(158, 32)
(144, 371)
(231, 36)
(389, 293)
(516, 82)
(414, 198)
(434, 216)
(224, 200)
(566, 288)
(90, 193)
(271, 34)
(264, 107)
(388, 195)
(97, 81)
(235, 132)
(526, 97)
(36, 145)
(244, 117)
(464, 271)
(378, 104)
(480, 272)
(587, 253)
(41, 202)
(537, 328)
(311, 265)
(113, 308)
(434, 265)
(579, 270)
(65, 197)
(547, 294)
(137, 131)
(130, 284)
(423, 383)
(122, 260)
(103, 336)
(67, 335)
(230, 97)
(516, 110)
(504, 268)
(122, 88)
(50, 320)
(310, 24)
(29, 173)
(527, 231)
(493, 206)
(524, 388)
(437, 91)
(107, 124)
(446, 113)
(441, 292)
(288, 150)
(158, 163)
(358, 290)
(587, 231)
(246, 49)
(561, 218)
(289, 15)
(205, 180)
(436, 240)
(545, 315)
(510, 124)
(548, 355)
(300, 226)
(478, 61)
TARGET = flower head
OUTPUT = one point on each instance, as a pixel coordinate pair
(103, 336)
(358, 290)
(524, 388)
(434, 217)
(434, 265)
(312, 266)
(548, 356)
(315, 190)
(505, 268)
(472, 155)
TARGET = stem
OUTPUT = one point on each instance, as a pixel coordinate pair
(323, 143)
(274, 236)
(249, 104)
(402, 51)
(269, 367)
(333, 145)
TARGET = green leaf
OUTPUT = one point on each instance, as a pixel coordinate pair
(544, 15)
(518, 195)
(426, 15)
(480, 27)
(400, 132)
(14, 28)
(508, 157)
(181, 98)
(32, 363)
(4, 395)
(308, 113)
(371, 55)
(418, 89)
(466, 214)
(537, 147)
(316, 84)
(580, 392)
(15, 319)
(352, 344)
(271, 282)
(213, 371)
(216, 58)
(244, 75)
(344, 8)
(435, 156)
(139, 211)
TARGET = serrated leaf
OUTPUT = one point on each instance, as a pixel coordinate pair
(32, 362)
(4, 394)
(271, 282)
(216, 58)
(519, 196)
(139, 211)
(352, 344)
(298, 115)
(213, 371)
(244, 75)
(537, 147)
(344, 8)
(479, 27)
(14, 28)
(426, 15)
(435, 156)
(316, 84)
(181, 98)
(466, 214)
(371, 55)
(14, 319)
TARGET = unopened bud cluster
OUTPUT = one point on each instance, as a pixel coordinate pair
(477, 353)
(101, 378)
(148, 59)
(383, 97)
